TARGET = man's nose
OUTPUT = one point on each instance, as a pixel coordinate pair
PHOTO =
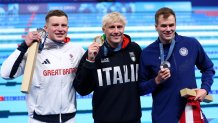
(116, 30)
(168, 28)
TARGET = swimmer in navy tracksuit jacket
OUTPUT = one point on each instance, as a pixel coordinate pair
(165, 84)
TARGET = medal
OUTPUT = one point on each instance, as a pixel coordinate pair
(99, 39)
(43, 34)
(165, 64)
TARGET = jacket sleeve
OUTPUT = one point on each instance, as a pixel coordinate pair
(146, 81)
(84, 83)
(205, 65)
(14, 65)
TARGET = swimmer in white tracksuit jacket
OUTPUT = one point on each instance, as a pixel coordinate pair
(52, 96)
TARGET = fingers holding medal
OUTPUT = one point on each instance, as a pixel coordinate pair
(93, 49)
(164, 72)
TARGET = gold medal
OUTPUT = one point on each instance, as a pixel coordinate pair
(99, 39)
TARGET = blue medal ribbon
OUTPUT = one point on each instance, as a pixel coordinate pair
(169, 53)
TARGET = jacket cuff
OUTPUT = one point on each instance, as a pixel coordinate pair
(23, 47)
(91, 61)
(206, 88)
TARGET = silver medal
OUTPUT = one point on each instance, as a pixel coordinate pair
(165, 64)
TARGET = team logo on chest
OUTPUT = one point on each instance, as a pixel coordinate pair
(132, 56)
(183, 51)
(71, 58)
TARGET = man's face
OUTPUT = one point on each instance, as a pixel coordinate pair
(114, 32)
(57, 28)
(166, 28)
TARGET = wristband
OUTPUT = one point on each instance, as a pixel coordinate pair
(91, 61)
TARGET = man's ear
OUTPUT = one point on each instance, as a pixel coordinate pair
(45, 27)
(156, 27)
(103, 29)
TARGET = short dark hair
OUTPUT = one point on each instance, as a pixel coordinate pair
(55, 13)
(166, 12)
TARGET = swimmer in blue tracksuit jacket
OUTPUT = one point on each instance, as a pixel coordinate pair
(168, 65)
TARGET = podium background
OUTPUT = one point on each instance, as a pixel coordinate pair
(194, 18)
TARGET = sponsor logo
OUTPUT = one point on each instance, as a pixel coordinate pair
(46, 61)
(104, 60)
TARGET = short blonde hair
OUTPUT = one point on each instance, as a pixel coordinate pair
(112, 18)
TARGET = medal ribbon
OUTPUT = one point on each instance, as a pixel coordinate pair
(169, 53)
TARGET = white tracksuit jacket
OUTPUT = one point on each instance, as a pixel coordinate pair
(52, 89)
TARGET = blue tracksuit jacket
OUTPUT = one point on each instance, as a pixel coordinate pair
(167, 102)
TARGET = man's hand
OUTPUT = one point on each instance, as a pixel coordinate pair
(93, 50)
(32, 36)
(200, 94)
(163, 75)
